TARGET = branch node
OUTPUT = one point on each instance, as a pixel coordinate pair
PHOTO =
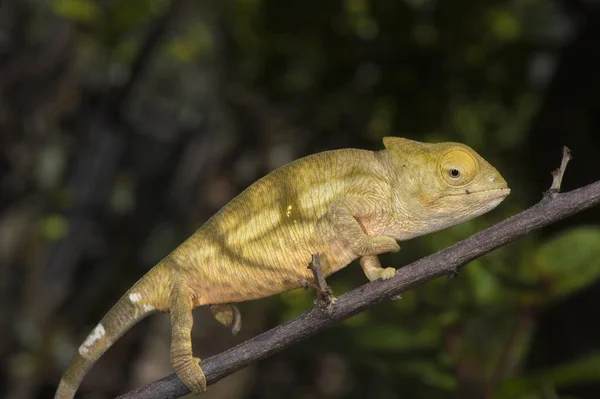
(557, 174)
(453, 272)
(325, 298)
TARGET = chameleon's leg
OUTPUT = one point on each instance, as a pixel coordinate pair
(228, 315)
(185, 365)
(373, 270)
(343, 214)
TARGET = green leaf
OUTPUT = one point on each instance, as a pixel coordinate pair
(486, 288)
(76, 10)
(430, 373)
(394, 339)
(504, 25)
(580, 371)
(568, 262)
(54, 226)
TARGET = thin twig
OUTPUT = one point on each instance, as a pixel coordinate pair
(325, 296)
(549, 210)
(557, 174)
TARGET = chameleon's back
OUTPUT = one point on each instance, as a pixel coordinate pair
(264, 238)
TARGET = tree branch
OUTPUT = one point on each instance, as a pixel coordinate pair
(553, 207)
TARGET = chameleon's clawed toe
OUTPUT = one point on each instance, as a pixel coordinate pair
(387, 273)
(193, 377)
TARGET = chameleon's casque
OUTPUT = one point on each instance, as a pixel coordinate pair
(344, 205)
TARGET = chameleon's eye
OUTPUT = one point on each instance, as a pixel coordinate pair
(454, 173)
(458, 167)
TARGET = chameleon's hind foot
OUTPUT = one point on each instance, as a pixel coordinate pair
(186, 366)
(192, 376)
(229, 315)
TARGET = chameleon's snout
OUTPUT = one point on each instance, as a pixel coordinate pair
(494, 182)
(502, 185)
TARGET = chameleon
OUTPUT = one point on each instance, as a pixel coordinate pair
(344, 205)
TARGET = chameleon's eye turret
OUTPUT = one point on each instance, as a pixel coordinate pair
(458, 167)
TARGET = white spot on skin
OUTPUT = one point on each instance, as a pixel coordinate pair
(148, 308)
(491, 179)
(134, 297)
(288, 211)
(94, 337)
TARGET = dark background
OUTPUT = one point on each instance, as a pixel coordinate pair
(124, 125)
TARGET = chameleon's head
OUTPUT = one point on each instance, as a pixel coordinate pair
(439, 185)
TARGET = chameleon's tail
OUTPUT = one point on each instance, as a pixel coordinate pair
(140, 301)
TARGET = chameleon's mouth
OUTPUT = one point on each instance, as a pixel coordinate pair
(495, 195)
(493, 192)
(502, 192)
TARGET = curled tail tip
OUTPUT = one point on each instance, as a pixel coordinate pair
(78, 368)
(137, 303)
(64, 390)
(124, 314)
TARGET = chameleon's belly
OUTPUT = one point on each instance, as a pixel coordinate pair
(268, 265)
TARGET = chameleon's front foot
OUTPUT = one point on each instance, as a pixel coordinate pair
(373, 269)
(383, 274)
(191, 374)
